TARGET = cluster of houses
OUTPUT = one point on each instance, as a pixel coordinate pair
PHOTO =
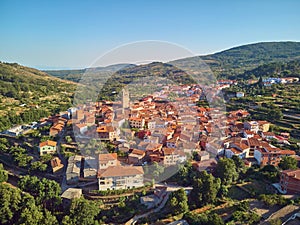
(251, 141)
(154, 129)
(276, 80)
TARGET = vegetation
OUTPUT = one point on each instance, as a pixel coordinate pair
(205, 189)
(203, 219)
(28, 94)
(288, 162)
(226, 170)
(178, 202)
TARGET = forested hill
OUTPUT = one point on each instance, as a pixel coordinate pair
(75, 75)
(231, 63)
(275, 69)
(27, 93)
(235, 61)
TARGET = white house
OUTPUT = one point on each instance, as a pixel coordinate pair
(121, 177)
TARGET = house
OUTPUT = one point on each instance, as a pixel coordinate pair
(239, 149)
(69, 195)
(151, 124)
(135, 122)
(252, 126)
(269, 155)
(57, 128)
(150, 201)
(264, 126)
(56, 164)
(47, 147)
(136, 157)
(14, 131)
(120, 177)
(240, 94)
(81, 127)
(172, 143)
(152, 148)
(90, 168)
(106, 160)
(268, 135)
(290, 181)
(208, 165)
(171, 156)
(73, 169)
(106, 133)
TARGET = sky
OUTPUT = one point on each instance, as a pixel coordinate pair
(72, 34)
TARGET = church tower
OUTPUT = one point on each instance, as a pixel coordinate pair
(125, 98)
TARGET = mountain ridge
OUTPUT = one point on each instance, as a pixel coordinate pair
(227, 63)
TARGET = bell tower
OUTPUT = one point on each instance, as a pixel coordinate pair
(125, 98)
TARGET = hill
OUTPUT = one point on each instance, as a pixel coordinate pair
(27, 93)
(230, 63)
(75, 75)
(235, 61)
(275, 69)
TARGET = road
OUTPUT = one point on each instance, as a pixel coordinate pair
(291, 218)
(170, 189)
(161, 205)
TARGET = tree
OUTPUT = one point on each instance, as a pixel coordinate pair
(288, 162)
(82, 212)
(276, 221)
(46, 192)
(9, 202)
(178, 202)
(68, 139)
(205, 189)
(226, 171)
(203, 219)
(239, 164)
(3, 174)
(273, 199)
(38, 165)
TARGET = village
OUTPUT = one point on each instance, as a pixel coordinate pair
(131, 137)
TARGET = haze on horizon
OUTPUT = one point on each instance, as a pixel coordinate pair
(72, 34)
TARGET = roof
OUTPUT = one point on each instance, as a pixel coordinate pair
(292, 173)
(262, 122)
(153, 146)
(107, 157)
(120, 171)
(72, 193)
(168, 151)
(55, 162)
(254, 142)
(48, 143)
(104, 129)
(287, 152)
(241, 146)
(137, 152)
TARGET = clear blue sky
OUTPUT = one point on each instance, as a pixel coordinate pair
(71, 34)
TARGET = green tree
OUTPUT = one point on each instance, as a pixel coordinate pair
(178, 202)
(46, 192)
(38, 166)
(68, 139)
(239, 164)
(288, 162)
(83, 212)
(276, 221)
(205, 189)
(3, 174)
(226, 171)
